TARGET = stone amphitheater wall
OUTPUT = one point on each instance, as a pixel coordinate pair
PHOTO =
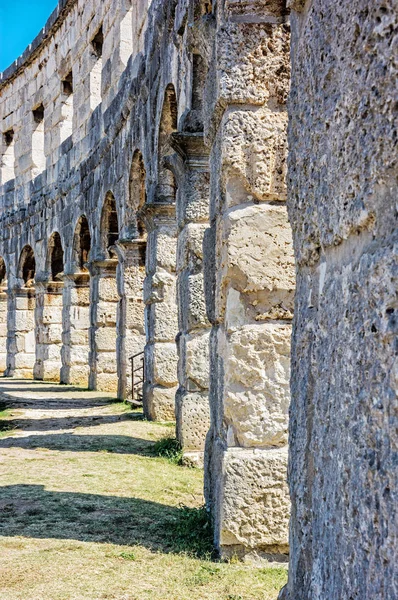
(142, 207)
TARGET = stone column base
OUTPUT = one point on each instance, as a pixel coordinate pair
(193, 419)
(251, 504)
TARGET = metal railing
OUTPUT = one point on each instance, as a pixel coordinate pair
(137, 377)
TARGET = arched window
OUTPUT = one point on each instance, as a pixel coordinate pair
(56, 256)
(137, 191)
(27, 266)
(109, 226)
(82, 243)
(3, 272)
(166, 191)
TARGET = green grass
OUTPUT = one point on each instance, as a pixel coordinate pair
(169, 448)
(102, 510)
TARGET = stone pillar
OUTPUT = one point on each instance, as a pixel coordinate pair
(160, 313)
(3, 329)
(104, 317)
(342, 200)
(21, 343)
(76, 327)
(48, 330)
(131, 326)
(249, 283)
(192, 399)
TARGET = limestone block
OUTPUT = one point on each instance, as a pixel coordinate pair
(19, 341)
(135, 314)
(78, 355)
(253, 152)
(107, 289)
(192, 301)
(107, 382)
(256, 391)
(29, 342)
(52, 352)
(256, 253)
(3, 344)
(105, 339)
(54, 334)
(166, 246)
(193, 420)
(255, 502)
(159, 403)
(163, 321)
(106, 362)
(197, 353)
(159, 286)
(78, 375)
(80, 317)
(133, 344)
(107, 313)
(24, 320)
(24, 360)
(251, 67)
(80, 296)
(51, 370)
(3, 362)
(190, 245)
(194, 205)
(165, 361)
(79, 337)
(22, 303)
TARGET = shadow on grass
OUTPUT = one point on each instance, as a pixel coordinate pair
(67, 422)
(114, 444)
(31, 511)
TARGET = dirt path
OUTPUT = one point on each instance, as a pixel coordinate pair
(89, 512)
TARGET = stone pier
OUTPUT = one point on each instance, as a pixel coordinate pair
(76, 319)
(192, 399)
(49, 297)
(160, 312)
(104, 306)
(249, 282)
(131, 333)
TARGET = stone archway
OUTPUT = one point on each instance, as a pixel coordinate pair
(76, 311)
(21, 354)
(105, 303)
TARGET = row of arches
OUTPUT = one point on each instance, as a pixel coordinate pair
(86, 310)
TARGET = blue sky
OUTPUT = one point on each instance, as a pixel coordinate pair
(20, 22)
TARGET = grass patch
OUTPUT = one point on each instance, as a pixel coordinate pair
(127, 555)
(81, 524)
(170, 448)
(192, 533)
(6, 427)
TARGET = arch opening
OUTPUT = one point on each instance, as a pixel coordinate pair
(167, 187)
(56, 254)
(109, 226)
(27, 266)
(137, 193)
(82, 244)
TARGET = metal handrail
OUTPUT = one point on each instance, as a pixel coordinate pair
(137, 384)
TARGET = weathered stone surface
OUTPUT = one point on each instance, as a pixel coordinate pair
(160, 403)
(342, 204)
(193, 420)
(256, 393)
(103, 211)
(255, 504)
